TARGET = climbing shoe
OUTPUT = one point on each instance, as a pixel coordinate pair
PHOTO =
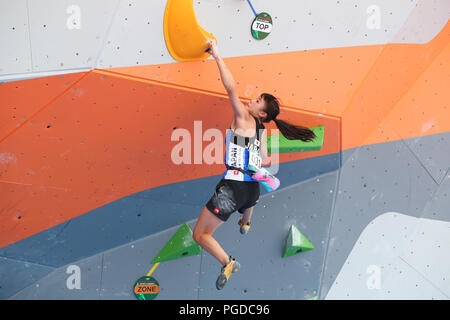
(244, 227)
(226, 271)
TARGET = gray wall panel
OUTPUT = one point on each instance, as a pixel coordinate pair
(130, 33)
(136, 36)
(375, 179)
(15, 51)
(56, 42)
(54, 285)
(424, 22)
(124, 265)
(430, 150)
(297, 26)
(16, 275)
(438, 207)
(264, 273)
(375, 268)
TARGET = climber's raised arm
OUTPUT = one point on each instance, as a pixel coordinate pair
(228, 82)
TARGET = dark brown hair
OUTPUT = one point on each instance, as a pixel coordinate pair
(291, 132)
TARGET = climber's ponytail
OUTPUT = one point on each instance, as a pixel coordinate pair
(291, 132)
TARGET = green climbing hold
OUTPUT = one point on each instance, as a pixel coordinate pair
(296, 242)
(313, 298)
(180, 245)
(285, 145)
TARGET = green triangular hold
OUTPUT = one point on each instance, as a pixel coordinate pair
(285, 145)
(313, 298)
(296, 242)
(180, 245)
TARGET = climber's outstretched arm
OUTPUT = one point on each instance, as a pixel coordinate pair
(228, 82)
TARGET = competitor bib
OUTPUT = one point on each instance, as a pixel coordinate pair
(236, 155)
(254, 161)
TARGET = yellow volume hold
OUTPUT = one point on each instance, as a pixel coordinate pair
(185, 39)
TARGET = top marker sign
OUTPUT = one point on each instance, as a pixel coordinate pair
(261, 26)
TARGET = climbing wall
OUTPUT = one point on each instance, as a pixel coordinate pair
(93, 105)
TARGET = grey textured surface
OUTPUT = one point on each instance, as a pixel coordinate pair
(15, 55)
(431, 150)
(300, 25)
(429, 250)
(111, 275)
(374, 179)
(411, 253)
(375, 269)
(125, 46)
(54, 285)
(16, 275)
(422, 21)
(56, 45)
(438, 207)
(264, 274)
(178, 279)
(429, 253)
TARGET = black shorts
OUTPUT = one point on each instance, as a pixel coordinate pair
(231, 195)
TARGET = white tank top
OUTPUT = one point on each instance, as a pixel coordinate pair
(240, 152)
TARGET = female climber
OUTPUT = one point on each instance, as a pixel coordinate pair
(246, 151)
